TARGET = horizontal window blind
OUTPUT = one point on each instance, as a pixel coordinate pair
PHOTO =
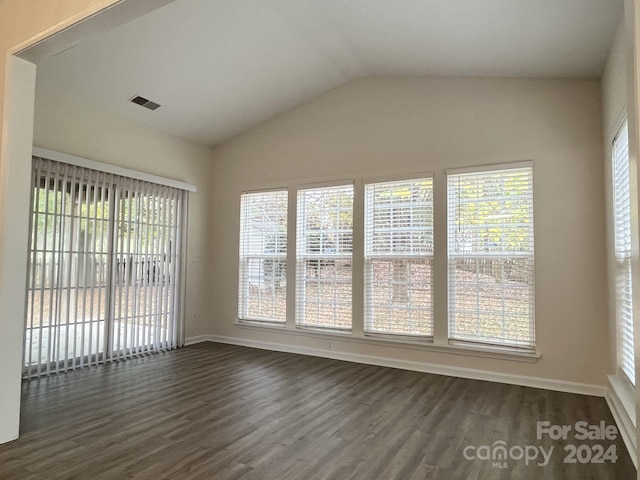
(490, 255)
(323, 257)
(622, 247)
(263, 256)
(399, 257)
(103, 273)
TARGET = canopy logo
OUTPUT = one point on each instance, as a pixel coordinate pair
(500, 453)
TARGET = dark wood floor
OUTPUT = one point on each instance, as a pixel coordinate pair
(213, 411)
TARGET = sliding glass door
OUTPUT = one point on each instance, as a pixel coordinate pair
(104, 268)
(145, 265)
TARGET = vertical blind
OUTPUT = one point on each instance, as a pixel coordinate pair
(104, 268)
(399, 257)
(323, 257)
(263, 256)
(490, 256)
(622, 251)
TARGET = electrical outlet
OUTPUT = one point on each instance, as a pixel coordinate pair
(329, 345)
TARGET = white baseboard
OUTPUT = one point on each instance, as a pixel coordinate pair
(198, 339)
(621, 402)
(535, 382)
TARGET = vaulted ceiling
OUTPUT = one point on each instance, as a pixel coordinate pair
(219, 67)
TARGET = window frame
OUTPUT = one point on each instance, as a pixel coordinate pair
(302, 259)
(528, 343)
(623, 280)
(107, 255)
(245, 258)
(439, 341)
(371, 256)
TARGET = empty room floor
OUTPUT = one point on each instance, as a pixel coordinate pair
(213, 411)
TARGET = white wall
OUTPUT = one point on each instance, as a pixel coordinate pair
(387, 125)
(65, 127)
(14, 189)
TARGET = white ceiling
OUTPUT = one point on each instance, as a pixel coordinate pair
(219, 67)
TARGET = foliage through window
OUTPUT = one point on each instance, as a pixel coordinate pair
(399, 257)
(490, 267)
(324, 257)
(104, 268)
(263, 256)
(490, 255)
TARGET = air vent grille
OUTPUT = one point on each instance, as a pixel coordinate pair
(143, 102)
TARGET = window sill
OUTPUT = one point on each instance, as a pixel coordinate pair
(624, 392)
(419, 343)
(260, 323)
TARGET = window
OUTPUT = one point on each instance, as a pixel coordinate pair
(104, 268)
(263, 256)
(399, 257)
(489, 268)
(323, 257)
(622, 251)
(490, 255)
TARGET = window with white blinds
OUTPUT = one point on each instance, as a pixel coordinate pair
(323, 257)
(104, 268)
(263, 256)
(490, 255)
(622, 251)
(399, 257)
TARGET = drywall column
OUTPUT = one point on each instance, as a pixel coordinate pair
(19, 98)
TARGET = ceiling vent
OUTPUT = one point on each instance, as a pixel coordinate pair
(143, 102)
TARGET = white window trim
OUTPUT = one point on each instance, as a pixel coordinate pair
(490, 169)
(439, 343)
(424, 344)
(622, 365)
(328, 184)
(370, 257)
(300, 257)
(242, 299)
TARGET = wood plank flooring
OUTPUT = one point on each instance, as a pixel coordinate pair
(221, 412)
